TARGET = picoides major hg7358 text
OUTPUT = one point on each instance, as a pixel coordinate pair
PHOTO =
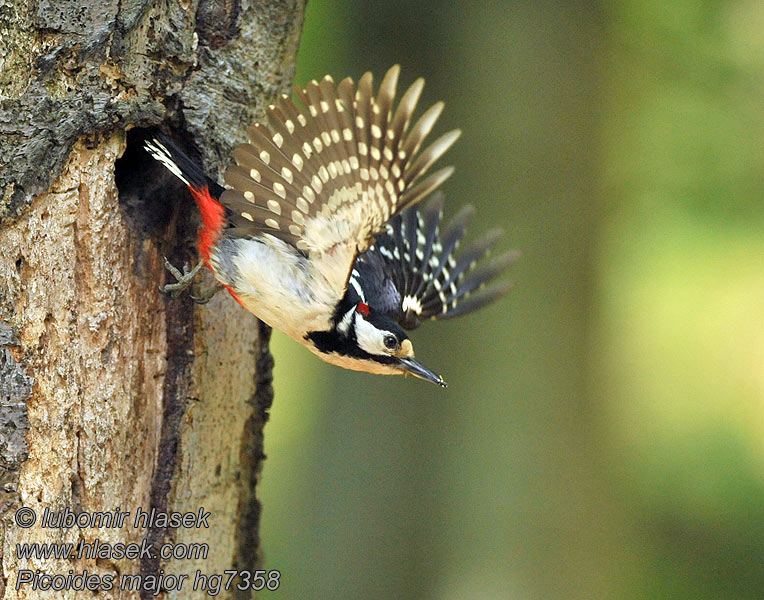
(321, 233)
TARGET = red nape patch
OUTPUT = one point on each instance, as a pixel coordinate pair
(363, 308)
(213, 219)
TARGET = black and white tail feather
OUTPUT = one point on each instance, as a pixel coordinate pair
(167, 152)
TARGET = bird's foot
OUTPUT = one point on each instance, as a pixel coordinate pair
(183, 280)
(206, 295)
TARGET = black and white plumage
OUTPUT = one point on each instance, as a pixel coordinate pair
(321, 235)
(425, 275)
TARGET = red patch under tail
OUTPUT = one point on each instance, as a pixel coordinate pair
(235, 297)
(213, 219)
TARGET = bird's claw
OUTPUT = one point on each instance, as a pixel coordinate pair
(207, 294)
(183, 280)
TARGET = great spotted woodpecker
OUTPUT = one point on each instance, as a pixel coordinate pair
(321, 235)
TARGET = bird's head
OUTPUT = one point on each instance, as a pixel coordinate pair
(366, 340)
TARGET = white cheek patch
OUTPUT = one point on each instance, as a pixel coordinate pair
(369, 337)
(344, 325)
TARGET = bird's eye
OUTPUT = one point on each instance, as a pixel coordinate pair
(390, 342)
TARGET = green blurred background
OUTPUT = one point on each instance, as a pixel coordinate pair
(601, 436)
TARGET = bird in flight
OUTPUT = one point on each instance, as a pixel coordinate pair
(323, 231)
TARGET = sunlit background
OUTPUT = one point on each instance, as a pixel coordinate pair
(603, 432)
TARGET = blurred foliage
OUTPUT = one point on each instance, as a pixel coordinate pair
(602, 435)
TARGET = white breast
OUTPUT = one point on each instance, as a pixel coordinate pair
(278, 285)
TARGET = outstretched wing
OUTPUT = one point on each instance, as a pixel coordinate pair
(425, 277)
(328, 178)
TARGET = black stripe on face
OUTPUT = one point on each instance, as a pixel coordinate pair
(329, 342)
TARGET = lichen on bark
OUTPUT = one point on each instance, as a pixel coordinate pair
(111, 394)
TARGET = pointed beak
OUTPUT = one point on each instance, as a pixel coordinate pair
(413, 367)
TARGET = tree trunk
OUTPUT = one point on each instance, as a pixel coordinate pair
(112, 396)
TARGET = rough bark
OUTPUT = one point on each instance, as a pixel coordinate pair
(112, 395)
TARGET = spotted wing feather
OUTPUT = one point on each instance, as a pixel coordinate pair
(328, 175)
(432, 277)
